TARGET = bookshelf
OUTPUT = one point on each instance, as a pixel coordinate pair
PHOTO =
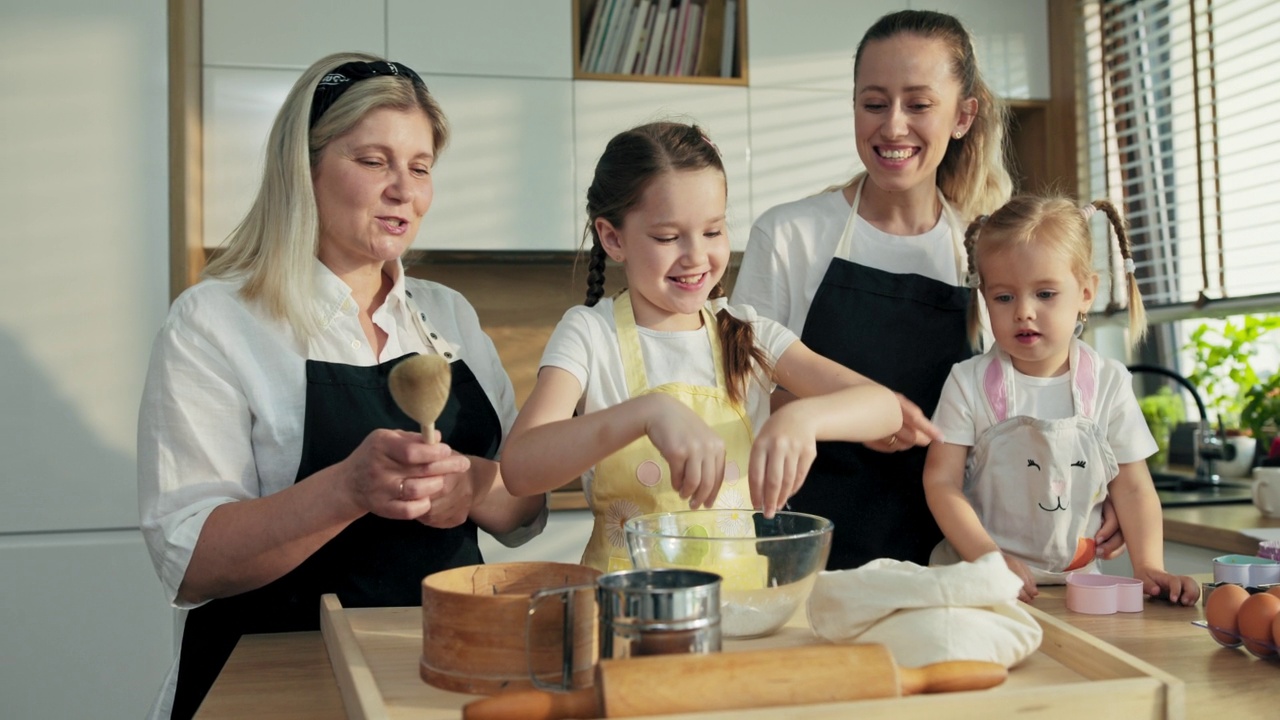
(672, 41)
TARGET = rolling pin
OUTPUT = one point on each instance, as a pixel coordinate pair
(658, 684)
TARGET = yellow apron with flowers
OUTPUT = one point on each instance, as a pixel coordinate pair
(636, 480)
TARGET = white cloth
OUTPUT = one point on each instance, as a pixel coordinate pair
(585, 344)
(961, 417)
(925, 615)
(223, 405)
(792, 244)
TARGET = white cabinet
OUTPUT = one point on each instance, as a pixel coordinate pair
(495, 38)
(86, 630)
(505, 182)
(290, 33)
(808, 45)
(603, 109)
(526, 136)
(801, 143)
(1011, 40)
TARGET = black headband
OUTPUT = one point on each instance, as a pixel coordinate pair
(336, 82)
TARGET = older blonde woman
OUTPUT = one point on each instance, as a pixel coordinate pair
(273, 465)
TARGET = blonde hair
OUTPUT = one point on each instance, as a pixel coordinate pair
(274, 247)
(1060, 225)
(972, 174)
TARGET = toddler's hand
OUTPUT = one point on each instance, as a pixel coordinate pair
(1179, 589)
(1029, 590)
(694, 451)
(780, 458)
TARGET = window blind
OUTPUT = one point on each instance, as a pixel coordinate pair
(1181, 126)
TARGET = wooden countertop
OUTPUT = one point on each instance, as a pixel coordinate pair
(287, 676)
(1216, 527)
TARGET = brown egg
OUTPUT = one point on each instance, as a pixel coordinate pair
(1220, 612)
(1255, 620)
(1274, 590)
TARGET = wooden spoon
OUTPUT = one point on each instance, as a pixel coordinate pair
(420, 386)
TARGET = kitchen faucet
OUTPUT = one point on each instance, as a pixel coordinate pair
(1209, 446)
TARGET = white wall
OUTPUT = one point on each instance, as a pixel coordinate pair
(84, 629)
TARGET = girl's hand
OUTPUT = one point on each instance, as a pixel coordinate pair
(691, 448)
(1178, 589)
(1029, 590)
(1109, 540)
(396, 475)
(916, 430)
(780, 458)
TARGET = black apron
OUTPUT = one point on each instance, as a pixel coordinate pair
(905, 332)
(373, 562)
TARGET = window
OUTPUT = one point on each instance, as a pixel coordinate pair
(1181, 127)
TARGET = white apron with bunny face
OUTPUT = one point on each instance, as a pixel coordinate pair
(1038, 485)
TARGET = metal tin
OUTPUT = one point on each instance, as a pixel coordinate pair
(658, 611)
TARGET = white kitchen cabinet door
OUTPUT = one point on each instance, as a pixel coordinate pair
(506, 181)
(801, 143)
(808, 44)
(84, 625)
(495, 38)
(239, 107)
(603, 109)
(290, 33)
(1011, 40)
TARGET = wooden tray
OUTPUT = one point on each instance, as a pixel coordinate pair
(375, 653)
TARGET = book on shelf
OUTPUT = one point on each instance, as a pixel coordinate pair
(707, 62)
(730, 36)
(668, 39)
(653, 46)
(604, 17)
(598, 18)
(692, 36)
(677, 41)
(639, 31)
(609, 43)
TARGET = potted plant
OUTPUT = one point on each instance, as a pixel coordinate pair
(1222, 369)
(1261, 413)
(1162, 411)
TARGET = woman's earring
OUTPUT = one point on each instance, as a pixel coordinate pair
(957, 135)
(1080, 321)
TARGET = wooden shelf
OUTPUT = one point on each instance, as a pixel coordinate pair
(583, 11)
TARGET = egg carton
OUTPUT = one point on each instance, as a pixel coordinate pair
(1275, 649)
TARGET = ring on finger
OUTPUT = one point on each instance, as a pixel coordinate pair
(893, 440)
(400, 494)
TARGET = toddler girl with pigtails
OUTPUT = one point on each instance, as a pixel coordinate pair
(1040, 430)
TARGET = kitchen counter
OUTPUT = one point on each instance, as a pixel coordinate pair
(1216, 527)
(287, 676)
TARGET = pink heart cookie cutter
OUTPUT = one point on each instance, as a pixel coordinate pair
(1096, 594)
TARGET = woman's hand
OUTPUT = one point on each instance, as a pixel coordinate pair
(694, 451)
(916, 430)
(394, 474)
(781, 456)
(1029, 590)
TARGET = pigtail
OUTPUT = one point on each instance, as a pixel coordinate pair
(974, 314)
(595, 271)
(1137, 311)
(742, 357)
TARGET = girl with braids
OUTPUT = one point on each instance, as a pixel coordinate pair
(1039, 430)
(663, 387)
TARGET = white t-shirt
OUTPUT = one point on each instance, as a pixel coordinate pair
(962, 416)
(792, 244)
(585, 344)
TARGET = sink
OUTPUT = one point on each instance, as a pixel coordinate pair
(1179, 490)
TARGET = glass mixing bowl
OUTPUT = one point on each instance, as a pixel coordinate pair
(768, 566)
